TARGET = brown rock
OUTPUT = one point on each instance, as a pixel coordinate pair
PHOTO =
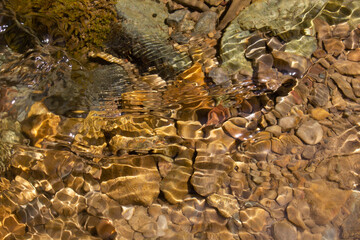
(236, 131)
(341, 30)
(175, 184)
(333, 46)
(284, 230)
(352, 41)
(310, 132)
(319, 53)
(325, 201)
(354, 55)
(124, 179)
(227, 205)
(289, 122)
(210, 173)
(319, 114)
(254, 218)
(344, 85)
(347, 67)
(351, 225)
(290, 63)
(298, 211)
(355, 83)
(309, 152)
(322, 28)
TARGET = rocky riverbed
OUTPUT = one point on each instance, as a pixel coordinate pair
(195, 120)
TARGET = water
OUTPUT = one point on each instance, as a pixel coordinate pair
(148, 135)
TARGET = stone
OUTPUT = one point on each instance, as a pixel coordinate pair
(309, 152)
(235, 131)
(320, 95)
(354, 55)
(341, 30)
(355, 83)
(288, 123)
(324, 200)
(210, 173)
(219, 75)
(319, 114)
(254, 218)
(227, 205)
(322, 28)
(123, 180)
(284, 230)
(347, 67)
(285, 195)
(333, 46)
(298, 211)
(351, 225)
(290, 63)
(175, 18)
(175, 184)
(276, 130)
(310, 132)
(206, 23)
(352, 42)
(344, 85)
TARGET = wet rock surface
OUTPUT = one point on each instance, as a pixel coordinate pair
(207, 135)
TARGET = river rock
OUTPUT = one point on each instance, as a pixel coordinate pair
(310, 132)
(284, 231)
(347, 67)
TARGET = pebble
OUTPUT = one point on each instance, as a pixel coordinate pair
(289, 122)
(219, 75)
(319, 114)
(344, 85)
(176, 17)
(354, 55)
(355, 83)
(206, 23)
(276, 130)
(309, 152)
(284, 231)
(341, 30)
(347, 67)
(310, 132)
(333, 46)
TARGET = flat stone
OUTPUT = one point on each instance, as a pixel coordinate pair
(227, 205)
(341, 30)
(344, 85)
(351, 225)
(206, 23)
(325, 201)
(347, 67)
(290, 63)
(175, 18)
(276, 130)
(333, 46)
(310, 132)
(354, 55)
(284, 230)
(355, 83)
(289, 122)
(219, 75)
(309, 152)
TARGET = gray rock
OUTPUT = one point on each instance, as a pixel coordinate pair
(219, 76)
(310, 132)
(206, 23)
(176, 17)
